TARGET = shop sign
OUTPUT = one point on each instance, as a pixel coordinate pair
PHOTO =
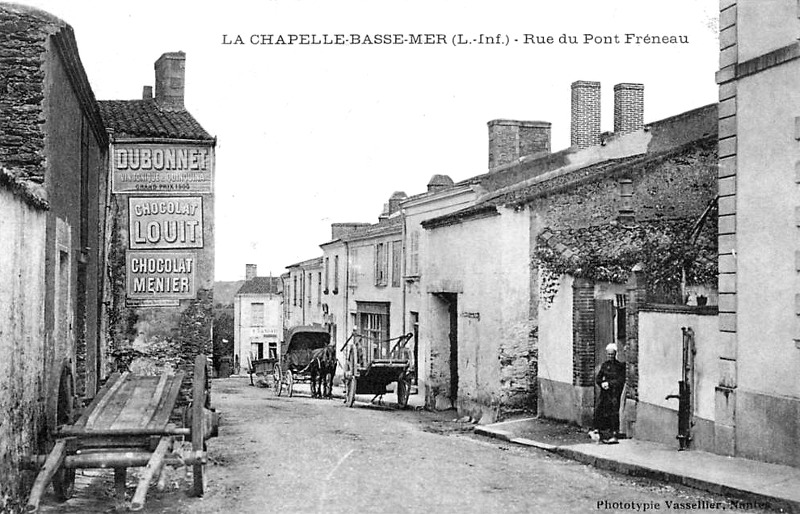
(165, 222)
(263, 332)
(160, 168)
(161, 275)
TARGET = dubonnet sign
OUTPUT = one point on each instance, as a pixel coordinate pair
(162, 168)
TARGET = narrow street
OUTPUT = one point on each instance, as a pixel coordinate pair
(300, 454)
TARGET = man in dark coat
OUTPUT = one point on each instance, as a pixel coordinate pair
(610, 377)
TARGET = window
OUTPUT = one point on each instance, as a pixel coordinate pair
(308, 289)
(327, 275)
(257, 350)
(294, 295)
(335, 274)
(373, 325)
(257, 314)
(397, 268)
(319, 288)
(413, 254)
(287, 313)
(622, 303)
(381, 264)
(273, 350)
(352, 275)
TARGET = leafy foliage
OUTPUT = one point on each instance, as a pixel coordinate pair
(670, 256)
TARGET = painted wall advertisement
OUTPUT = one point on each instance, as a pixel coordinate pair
(162, 168)
(165, 222)
(158, 275)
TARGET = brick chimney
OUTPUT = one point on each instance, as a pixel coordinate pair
(585, 114)
(511, 139)
(170, 77)
(250, 271)
(628, 108)
(395, 200)
(147, 93)
(439, 182)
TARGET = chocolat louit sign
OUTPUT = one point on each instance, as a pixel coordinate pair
(165, 222)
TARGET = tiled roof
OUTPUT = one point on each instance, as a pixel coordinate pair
(383, 227)
(531, 177)
(261, 285)
(146, 118)
(316, 262)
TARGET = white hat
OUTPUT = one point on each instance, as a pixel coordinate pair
(611, 348)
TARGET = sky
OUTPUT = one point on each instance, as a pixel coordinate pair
(309, 135)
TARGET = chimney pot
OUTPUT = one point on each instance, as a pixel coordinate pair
(585, 130)
(395, 200)
(170, 77)
(147, 93)
(509, 140)
(628, 108)
(439, 182)
(250, 271)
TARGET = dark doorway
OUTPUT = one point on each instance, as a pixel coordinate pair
(452, 310)
(415, 342)
(603, 329)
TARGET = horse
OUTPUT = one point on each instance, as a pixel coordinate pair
(322, 368)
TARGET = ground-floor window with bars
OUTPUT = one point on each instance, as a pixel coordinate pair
(372, 319)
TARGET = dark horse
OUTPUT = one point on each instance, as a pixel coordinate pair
(322, 368)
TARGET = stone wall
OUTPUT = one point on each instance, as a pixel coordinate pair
(22, 384)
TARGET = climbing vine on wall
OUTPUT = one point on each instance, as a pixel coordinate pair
(668, 253)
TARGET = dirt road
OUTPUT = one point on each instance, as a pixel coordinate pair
(318, 456)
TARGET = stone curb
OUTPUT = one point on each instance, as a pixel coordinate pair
(636, 470)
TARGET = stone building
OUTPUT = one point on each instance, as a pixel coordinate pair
(161, 255)
(441, 197)
(757, 394)
(483, 284)
(363, 283)
(258, 319)
(303, 284)
(53, 186)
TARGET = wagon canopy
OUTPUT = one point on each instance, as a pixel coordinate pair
(301, 341)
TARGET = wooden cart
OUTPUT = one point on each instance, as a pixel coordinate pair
(262, 368)
(370, 366)
(128, 425)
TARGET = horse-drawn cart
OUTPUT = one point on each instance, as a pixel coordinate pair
(370, 366)
(296, 356)
(128, 425)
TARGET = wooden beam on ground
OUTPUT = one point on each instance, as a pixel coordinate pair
(152, 470)
(54, 461)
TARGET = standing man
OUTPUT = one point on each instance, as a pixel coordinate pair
(610, 377)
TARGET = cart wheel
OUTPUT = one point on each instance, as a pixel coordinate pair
(403, 390)
(289, 382)
(199, 422)
(350, 397)
(277, 380)
(64, 479)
